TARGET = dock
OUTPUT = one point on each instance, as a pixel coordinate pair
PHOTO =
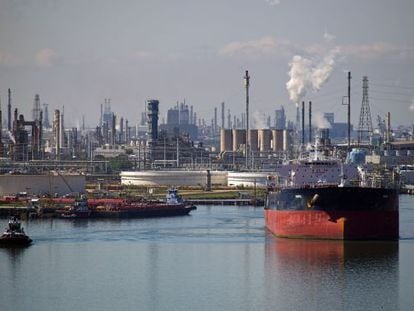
(257, 202)
(23, 212)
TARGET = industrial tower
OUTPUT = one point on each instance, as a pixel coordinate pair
(36, 108)
(365, 122)
(46, 122)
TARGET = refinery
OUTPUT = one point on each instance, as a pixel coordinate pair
(43, 157)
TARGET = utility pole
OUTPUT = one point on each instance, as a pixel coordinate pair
(247, 83)
(349, 111)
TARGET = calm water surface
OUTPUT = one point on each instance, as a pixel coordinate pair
(219, 258)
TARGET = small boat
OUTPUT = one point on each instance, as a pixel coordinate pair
(14, 234)
(79, 209)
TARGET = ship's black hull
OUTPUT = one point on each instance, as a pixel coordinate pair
(334, 213)
(334, 199)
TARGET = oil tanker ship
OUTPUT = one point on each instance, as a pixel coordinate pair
(172, 206)
(318, 201)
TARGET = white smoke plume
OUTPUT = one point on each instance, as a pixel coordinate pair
(412, 105)
(320, 121)
(259, 120)
(307, 75)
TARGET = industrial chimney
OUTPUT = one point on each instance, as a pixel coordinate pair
(303, 123)
(310, 122)
(152, 105)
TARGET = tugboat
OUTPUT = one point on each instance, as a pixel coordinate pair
(14, 234)
(79, 209)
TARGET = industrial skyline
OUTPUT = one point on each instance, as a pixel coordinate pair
(199, 51)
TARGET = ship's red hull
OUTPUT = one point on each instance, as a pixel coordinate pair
(341, 225)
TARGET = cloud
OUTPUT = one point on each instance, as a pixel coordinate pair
(46, 57)
(377, 50)
(9, 59)
(273, 2)
(140, 55)
(267, 45)
(411, 106)
(328, 37)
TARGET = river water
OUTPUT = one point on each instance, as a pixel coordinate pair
(218, 258)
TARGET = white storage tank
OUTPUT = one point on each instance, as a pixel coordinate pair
(265, 138)
(239, 139)
(172, 178)
(247, 179)
(226, 140)
(277, 140)
(253, 140)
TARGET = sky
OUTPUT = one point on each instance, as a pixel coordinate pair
(77, 53)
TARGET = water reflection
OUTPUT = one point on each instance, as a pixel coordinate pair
(316, 275)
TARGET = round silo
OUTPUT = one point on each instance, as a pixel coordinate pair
(277, 140)
(226, 140)
(239, 138)
(265, 137)
(253, 140)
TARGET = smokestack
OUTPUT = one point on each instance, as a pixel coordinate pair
(247, 84)
(215, 121)
(101, 116)
(303, 123)
(222, 115)
(36, 108)
(121, 129)
(388, 137)
(113, 130)
(310, 122)
(56, 131)
(39, 143)
(126, 132)
(61, 131)
(9, 111)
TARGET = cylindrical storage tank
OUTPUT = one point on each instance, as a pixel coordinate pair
(253, 140)
(277, 140)
(239, 138)
(172, 178)
(265, 138)
(287, 140)
(247, 179)
(226, 140)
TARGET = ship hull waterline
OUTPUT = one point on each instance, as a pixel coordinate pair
(334, 213)
(334, 225)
